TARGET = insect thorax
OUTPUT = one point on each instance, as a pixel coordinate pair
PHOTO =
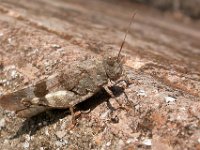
(86, 76)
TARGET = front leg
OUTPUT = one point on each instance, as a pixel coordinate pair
(112, 95)
(124, 79)
(109, 91)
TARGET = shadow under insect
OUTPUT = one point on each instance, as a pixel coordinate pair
(35, 123)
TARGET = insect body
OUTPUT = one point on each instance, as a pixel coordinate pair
(75, 83)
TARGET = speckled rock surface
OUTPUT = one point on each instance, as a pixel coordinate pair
(162, 62)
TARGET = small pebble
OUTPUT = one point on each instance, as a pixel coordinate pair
(55, 46)
(108, 143)
(59, 143)
(147, 142)
(41, 148)
(3, 81)
(199, 140)
(9, 40)
(104, 115)
(141, 93)
(26, 145)
(121, 143)
(60, 134)
(6, 141)
(63, 126)
(169, 99)
(14, 74)
(46, 132)
(2, 123)
(131, 140)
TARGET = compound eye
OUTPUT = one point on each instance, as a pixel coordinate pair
(110, 62)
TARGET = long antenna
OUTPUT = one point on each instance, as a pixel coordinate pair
(1, 63)
(127, 30)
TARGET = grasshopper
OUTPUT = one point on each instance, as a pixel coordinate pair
(75, 83)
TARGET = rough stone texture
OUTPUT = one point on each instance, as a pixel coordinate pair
(163, 56)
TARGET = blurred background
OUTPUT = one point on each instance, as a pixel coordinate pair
(39, 37)
(188, 7)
